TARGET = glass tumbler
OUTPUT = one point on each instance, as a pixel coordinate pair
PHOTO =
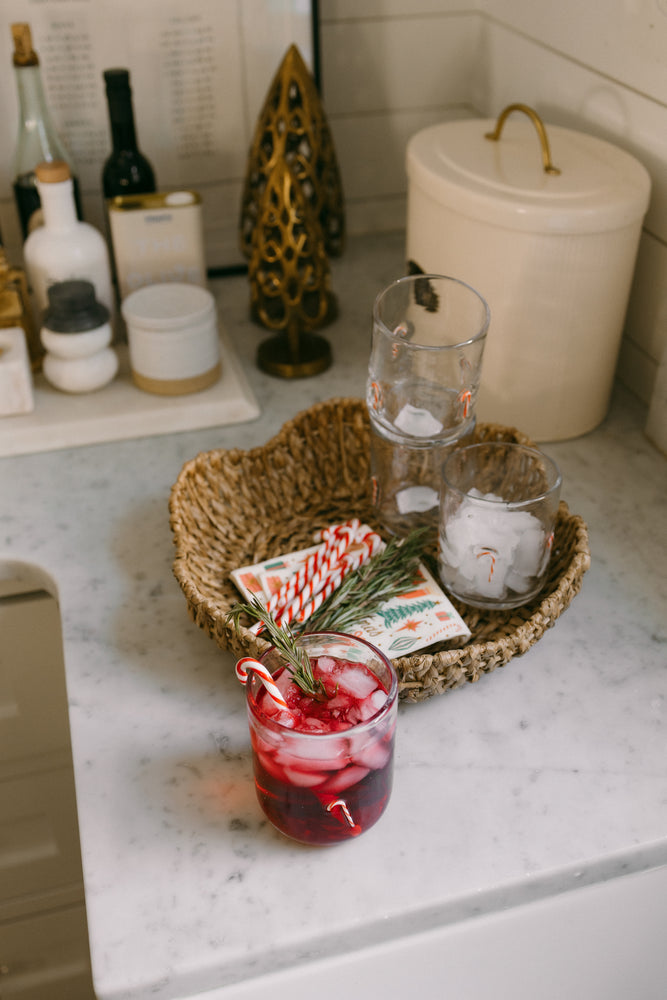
(428, 339)
(329, 783)
(498, 509)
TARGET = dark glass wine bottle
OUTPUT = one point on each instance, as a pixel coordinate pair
(38, 140)
(126, 170)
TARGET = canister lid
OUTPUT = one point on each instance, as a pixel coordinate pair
(503, 182)
(168, 306)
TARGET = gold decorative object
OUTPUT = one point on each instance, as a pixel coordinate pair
(292, 128)
(289, 280)
(16, 309)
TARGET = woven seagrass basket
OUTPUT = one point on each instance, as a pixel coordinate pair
(232, 508)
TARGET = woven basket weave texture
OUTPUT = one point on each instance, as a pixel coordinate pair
(232, 508)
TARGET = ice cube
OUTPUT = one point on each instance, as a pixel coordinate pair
(305, 779)
(416, 499)
(374, 755)
(345, 778)
(325, 664)
(481, 541)
(518, 583)
(530, 549)
(341, 702)
(271, 765)
(417, 422)
(312, 725)
(484, 542)
(285, 719)
(332, 755)
(369, 706)
(484, 582)
(378, 698)
(356, 681)
(285, 685)
(273, 711)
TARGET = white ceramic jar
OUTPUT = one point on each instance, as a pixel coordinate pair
(76, 336)
(172, 333)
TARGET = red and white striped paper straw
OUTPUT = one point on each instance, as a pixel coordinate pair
(322, 572)
(335, 540)
(293, 585)
(311, 607)
(310, 599)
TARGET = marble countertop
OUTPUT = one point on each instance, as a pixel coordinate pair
(545, 775)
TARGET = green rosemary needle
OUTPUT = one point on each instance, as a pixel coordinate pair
(285, 642)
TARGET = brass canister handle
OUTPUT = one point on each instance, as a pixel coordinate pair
(549, 168)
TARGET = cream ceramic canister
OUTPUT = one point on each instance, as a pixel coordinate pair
(76, 336)
(545, 223)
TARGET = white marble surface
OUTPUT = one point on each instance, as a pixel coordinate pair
(546, 775)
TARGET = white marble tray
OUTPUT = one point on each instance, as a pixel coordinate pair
(120, 411)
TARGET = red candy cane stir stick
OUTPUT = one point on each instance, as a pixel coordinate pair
(246, 664)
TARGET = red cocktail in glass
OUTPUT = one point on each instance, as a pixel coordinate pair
(323, 770)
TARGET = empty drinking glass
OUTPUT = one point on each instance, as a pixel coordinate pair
(429, 333)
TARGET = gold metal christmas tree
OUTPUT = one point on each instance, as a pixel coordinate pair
(292, 128)
(289, 275)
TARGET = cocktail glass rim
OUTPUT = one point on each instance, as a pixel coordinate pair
(254, 683)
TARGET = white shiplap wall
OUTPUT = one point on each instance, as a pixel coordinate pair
(392, 67)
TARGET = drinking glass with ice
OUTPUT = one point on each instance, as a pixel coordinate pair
(498, 508)
(323, 765)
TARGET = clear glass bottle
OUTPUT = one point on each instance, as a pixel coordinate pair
(126, 171)
(64, 248)
(38, 140)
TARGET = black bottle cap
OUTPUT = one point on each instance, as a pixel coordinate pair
(117, 79)
(73, 308)
(119, 95)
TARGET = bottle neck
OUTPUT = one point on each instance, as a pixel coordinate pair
(38, 136)
(121, 118)
(32, 102)
(58, 204)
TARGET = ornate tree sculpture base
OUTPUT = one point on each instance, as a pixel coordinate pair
(276, 356)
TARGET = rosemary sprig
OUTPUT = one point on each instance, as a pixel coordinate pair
(284, 640)
(362, 592)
